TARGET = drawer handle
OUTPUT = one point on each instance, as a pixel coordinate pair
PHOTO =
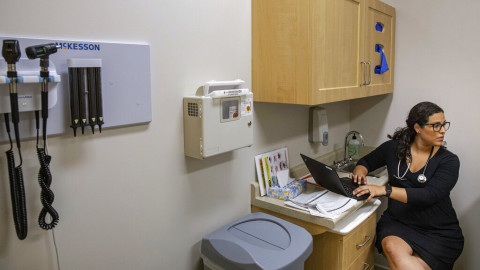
(366, 266)
(367, 238)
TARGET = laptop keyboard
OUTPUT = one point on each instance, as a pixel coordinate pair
(350, 186)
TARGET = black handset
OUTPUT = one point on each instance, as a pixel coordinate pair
(44, 175)
(11, 53)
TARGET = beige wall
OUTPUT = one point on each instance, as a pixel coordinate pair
(128, 198)
(436, 60)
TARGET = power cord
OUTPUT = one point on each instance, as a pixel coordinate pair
(56, 249)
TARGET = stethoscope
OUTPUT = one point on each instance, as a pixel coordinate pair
(421, 178)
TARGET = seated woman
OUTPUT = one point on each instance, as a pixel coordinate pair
(419, 229)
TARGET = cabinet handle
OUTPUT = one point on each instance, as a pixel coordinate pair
(366, 266)
(364, 73)
(369, 73)
(367, 238)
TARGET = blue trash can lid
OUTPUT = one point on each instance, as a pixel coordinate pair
(258, 241)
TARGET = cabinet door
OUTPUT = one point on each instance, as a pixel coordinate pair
(336, 47)
(327, 252)
(384, 15)
(281, 54)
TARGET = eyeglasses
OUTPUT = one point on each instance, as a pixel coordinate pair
(437, 126)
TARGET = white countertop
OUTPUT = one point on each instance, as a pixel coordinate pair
(351, 221)
(342, 224)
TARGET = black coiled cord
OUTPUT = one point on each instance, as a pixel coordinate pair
(45, 180)
(17, 189)
(46, 195)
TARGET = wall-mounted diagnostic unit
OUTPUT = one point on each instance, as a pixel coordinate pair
(71, 84)
(218, 119)
(91, 84)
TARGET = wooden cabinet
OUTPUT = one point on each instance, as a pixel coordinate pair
(316, 51)
(378, 12)
(352, 251)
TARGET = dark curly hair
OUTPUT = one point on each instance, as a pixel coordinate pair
(419, 114)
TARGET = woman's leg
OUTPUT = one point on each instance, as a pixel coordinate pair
(400, 255)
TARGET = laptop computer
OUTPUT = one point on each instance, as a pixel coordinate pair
(328, 178)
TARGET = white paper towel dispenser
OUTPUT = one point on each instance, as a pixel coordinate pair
(217, 119)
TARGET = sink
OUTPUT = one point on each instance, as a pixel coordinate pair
(350, 167)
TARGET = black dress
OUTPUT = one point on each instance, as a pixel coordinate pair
(427, 222)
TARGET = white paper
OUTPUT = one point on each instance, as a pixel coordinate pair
(330, 203)
(262, 182)
(283, 177)
(268, 165)
(306, 200)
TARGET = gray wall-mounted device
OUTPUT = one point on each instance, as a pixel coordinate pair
(125, 84)
(318, 125)
(29, 85)
(217, 119)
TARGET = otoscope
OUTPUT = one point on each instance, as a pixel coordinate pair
(11, 53)
(43, 52)
(44, 176)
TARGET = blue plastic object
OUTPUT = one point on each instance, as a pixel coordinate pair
(379, 27)
(257, 241)
(383, 67)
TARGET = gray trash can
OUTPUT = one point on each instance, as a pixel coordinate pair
(257, 241)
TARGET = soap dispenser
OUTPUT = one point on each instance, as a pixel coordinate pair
(318, 125)
(353, 146)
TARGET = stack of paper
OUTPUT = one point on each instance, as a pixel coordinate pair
(324, 203)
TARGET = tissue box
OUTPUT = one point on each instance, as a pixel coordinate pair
(289, 191)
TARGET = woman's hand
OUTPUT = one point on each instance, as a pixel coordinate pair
(359, 175)
(375, 191)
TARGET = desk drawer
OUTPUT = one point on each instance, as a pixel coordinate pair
(360, 240)
(364, 261)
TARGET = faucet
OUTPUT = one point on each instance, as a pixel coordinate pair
(347, 160)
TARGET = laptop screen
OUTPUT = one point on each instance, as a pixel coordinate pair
(324, 175)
